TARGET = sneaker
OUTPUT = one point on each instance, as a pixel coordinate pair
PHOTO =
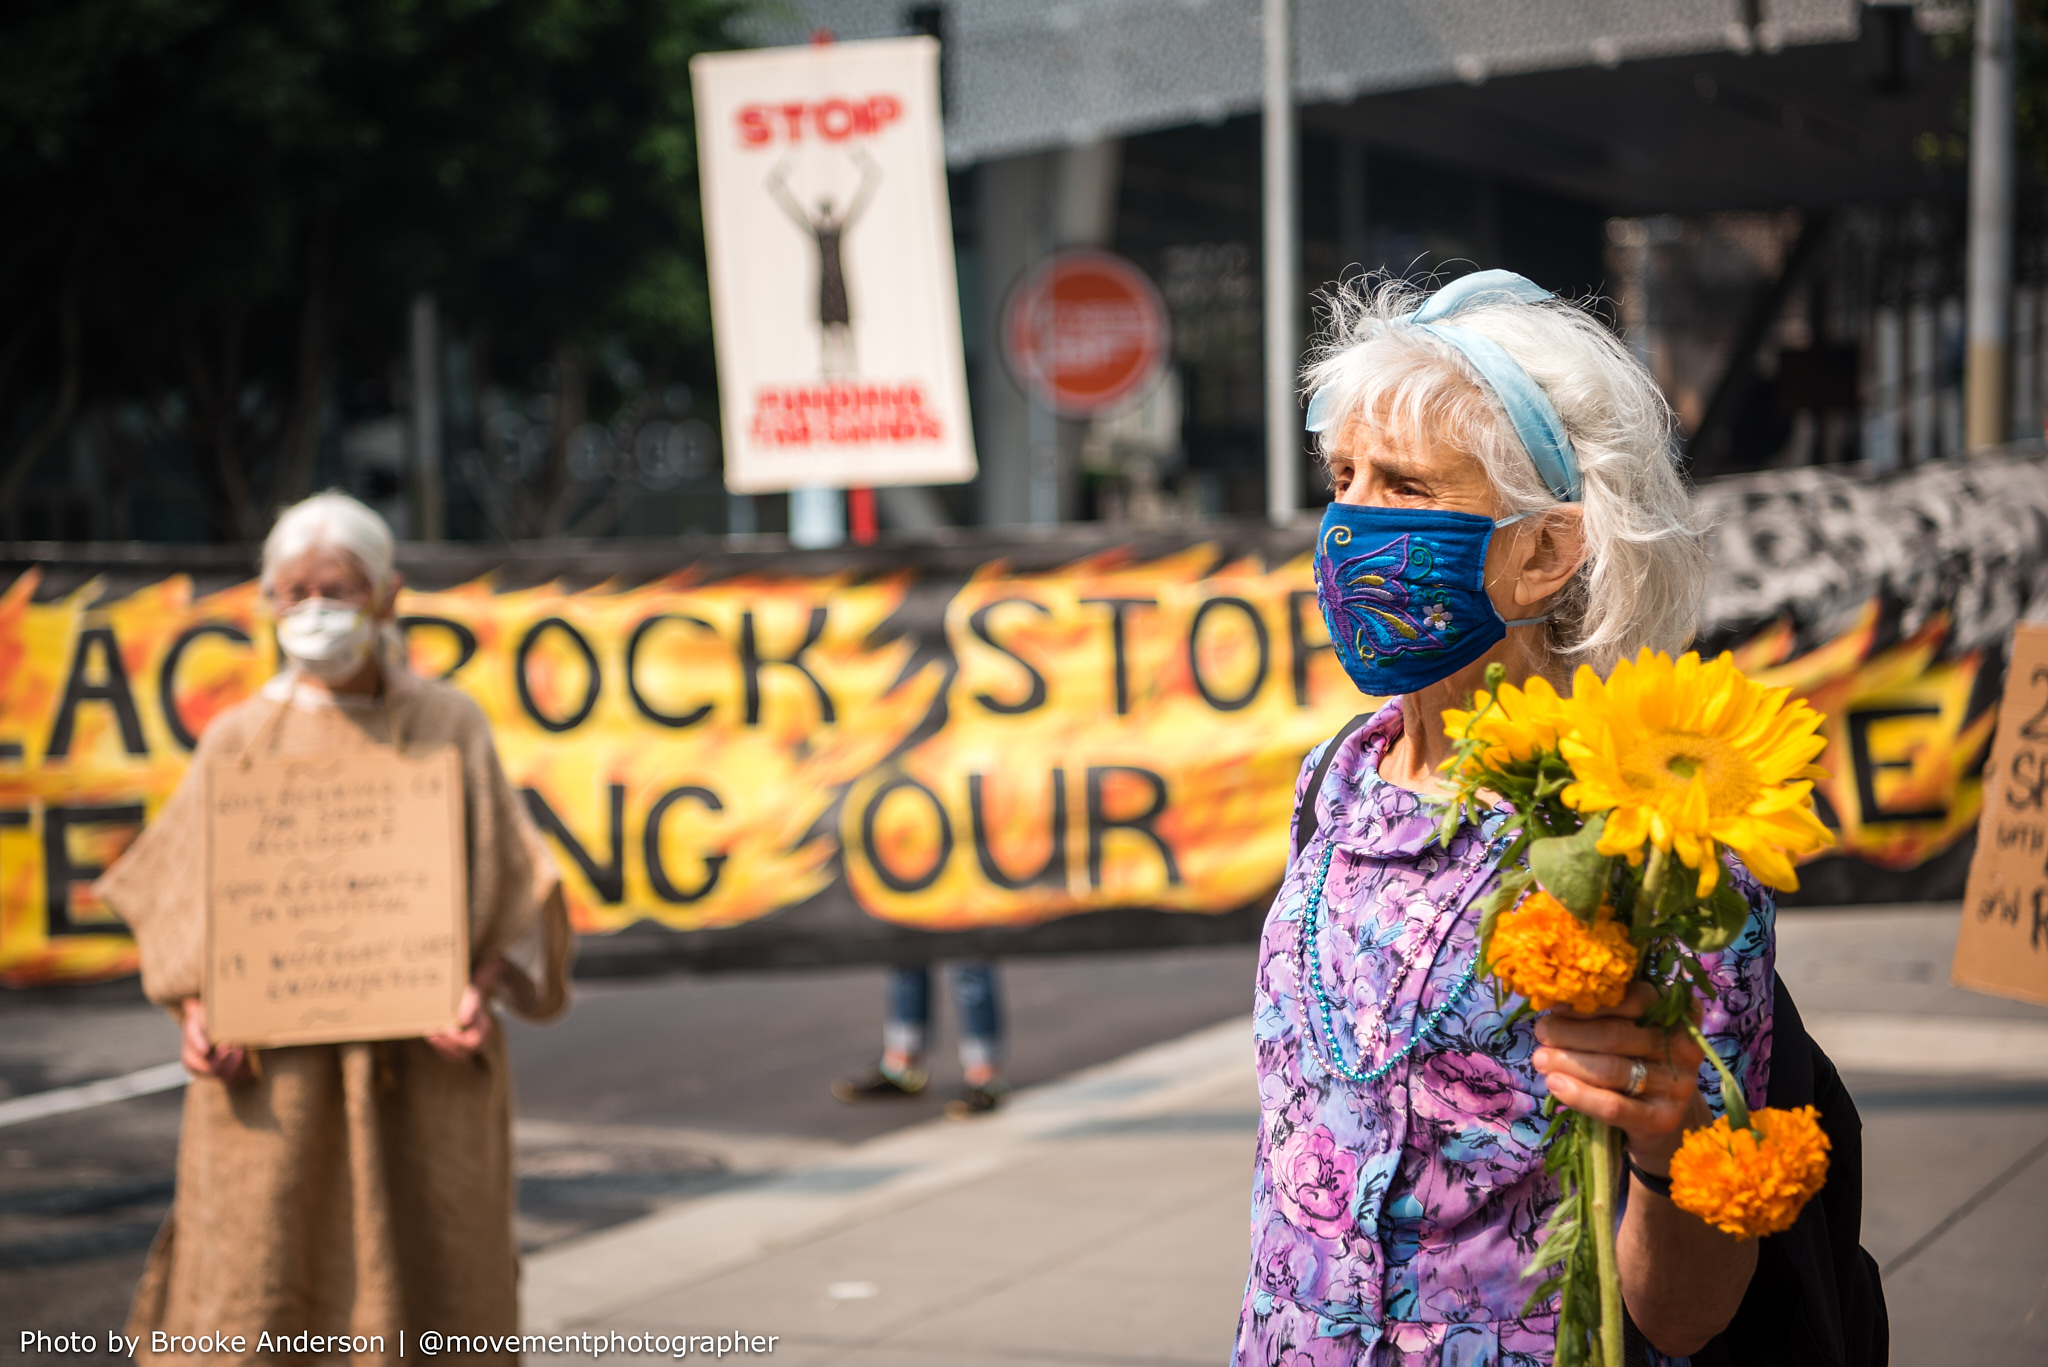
(976, 1101)
(876, 1085)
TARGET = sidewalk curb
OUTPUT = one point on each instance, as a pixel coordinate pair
(585, 1281)
(1933, 1046)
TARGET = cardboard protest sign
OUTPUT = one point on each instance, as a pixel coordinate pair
(834, 302)
(2003, 946)
(336, 895)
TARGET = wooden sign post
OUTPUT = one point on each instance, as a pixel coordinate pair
(2003, 947)
(337, 898)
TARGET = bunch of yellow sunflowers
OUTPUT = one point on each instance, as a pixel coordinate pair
(1626, 797)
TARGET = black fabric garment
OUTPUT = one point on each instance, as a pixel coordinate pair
(1816, 1300)
(833, 306)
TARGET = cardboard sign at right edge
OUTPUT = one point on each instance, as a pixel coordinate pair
(2003, 946)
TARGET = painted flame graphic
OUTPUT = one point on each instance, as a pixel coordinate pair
(1903, 750)
(1114, 733)
(1118, 734)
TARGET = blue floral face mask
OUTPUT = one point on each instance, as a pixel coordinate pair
(1403, 593)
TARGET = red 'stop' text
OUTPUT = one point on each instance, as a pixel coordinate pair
(833, 120)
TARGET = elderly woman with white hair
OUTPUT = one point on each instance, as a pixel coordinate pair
(365, 1188)
(1505, 493)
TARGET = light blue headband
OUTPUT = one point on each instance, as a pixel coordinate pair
(1529, 408)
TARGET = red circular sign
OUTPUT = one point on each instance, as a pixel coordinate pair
(1084, 331)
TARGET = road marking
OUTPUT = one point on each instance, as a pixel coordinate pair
(19, 1110)
(1933, 1046)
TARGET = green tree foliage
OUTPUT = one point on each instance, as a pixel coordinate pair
(2030, 83)
(1953, 41)
(218, 208)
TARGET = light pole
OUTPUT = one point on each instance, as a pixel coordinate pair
(1283, 270)
(429, 520)
(1990, 259)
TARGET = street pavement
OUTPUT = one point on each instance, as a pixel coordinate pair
(1953, 1089)
(682, 1171)
(1102, 1220)
(649, 1093)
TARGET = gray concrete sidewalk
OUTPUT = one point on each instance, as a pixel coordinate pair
(1953, 1089)
(1099, 1219)
(1102, 1219)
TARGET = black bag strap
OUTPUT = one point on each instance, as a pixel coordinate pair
(1305, 823)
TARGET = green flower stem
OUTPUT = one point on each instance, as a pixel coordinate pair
(1733, 1103)
(1656, 871)
(1602, 1149)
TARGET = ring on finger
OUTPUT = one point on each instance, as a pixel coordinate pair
(1638, 1078)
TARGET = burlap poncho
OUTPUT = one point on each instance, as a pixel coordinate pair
(356, 1188)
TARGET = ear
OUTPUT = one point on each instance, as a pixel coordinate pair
(1550, 551)
(388, 608)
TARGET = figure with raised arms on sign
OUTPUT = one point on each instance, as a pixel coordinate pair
(358, 1187)
(827, 229)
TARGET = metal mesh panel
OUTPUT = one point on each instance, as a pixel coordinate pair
(1023, 75)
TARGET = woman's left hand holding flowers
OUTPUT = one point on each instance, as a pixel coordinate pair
(1629, 802)
(1586, 1060)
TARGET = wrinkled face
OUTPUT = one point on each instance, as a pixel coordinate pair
(322, 572)
(1372, 467)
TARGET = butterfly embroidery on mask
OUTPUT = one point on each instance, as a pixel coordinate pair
(1379, 604)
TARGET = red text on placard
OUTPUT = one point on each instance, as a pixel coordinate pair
(843, 413)
(834, 120)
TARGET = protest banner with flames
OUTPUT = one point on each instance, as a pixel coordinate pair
(882, 754)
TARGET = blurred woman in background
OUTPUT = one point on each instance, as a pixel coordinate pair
(357, 1188)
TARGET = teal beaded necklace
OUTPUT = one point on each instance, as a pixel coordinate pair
(1311, 963)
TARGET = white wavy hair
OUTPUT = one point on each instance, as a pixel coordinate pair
(333, 521)
(1645, 569)
(336, 522)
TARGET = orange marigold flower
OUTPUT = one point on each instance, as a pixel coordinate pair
(1752, 1183)
(1550, 956)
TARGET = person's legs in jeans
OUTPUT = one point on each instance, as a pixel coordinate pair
(981, 1021)
(981, 1040)
(910, 1019)
(901, 1073)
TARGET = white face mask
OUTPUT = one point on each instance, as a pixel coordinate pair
(328, 640)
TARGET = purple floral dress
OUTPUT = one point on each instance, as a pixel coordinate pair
(1391, 1220)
